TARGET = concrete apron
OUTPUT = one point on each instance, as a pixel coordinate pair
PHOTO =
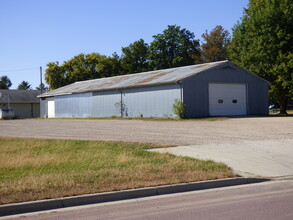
(266, 158)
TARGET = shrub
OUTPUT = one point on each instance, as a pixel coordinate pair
(179, 108)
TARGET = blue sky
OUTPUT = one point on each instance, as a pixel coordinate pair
(35, 32)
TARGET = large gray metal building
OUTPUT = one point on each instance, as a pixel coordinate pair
(210, 89)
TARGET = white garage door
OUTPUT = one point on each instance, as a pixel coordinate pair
(227, 99)
(51, 108)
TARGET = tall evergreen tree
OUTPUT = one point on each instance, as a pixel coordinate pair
(214, 45)
(24, 85)
(42, 87)
(5, 82)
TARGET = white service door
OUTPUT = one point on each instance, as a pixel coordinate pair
(51, 108)
(227, 99)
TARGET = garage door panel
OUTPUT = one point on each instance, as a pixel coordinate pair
(227, 99)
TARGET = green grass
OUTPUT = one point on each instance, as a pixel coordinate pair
(276, 111)
(34, 169)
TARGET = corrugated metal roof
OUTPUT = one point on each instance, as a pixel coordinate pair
(158, 77)
(19, 96)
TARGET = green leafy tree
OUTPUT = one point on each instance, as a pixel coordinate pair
(110, 66)
(214, 45)
(174, 47)
(5, 82)
(135, 57)
(263, 44)
(81, 67)
(55, 75)
(24, 85)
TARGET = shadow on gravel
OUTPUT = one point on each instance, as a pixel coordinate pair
(261, 116)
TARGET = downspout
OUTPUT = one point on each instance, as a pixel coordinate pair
(8, 100)
(121, 104)
(32, 110)
(181, 90)
(181, 95)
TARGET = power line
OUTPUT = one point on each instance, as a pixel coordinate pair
(19, 69)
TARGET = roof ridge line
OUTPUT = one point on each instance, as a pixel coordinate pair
(142, 73)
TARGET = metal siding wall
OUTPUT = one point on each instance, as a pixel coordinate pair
(151, 101)
(105, 104)
(22, 110)
(44, 108)
(259, 100)
(75, 105)
(36, 110)
(195, 96)
(195, 90)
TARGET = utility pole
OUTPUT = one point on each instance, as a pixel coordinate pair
(41, 85)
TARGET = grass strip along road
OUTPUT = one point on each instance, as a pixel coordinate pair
(33, 169)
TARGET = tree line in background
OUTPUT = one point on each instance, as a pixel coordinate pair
(5, 83)
(261, 42)
(174, 47)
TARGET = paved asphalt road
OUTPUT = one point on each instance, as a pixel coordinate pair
(268, 200)
(257, 146)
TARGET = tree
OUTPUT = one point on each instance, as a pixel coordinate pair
(110, 66)
(81, 67)
(5, 82)
(24, 85)
(214, 45)
(263, 44)
(174, 47)
(42, 87)
(55, 75)
(135, 57)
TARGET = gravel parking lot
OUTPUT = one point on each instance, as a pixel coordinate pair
(189, 132)
(250, 145)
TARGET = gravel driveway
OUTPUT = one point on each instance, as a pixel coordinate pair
(265, 143)
(190, 132)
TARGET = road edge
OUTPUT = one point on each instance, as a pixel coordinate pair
(41, 205)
